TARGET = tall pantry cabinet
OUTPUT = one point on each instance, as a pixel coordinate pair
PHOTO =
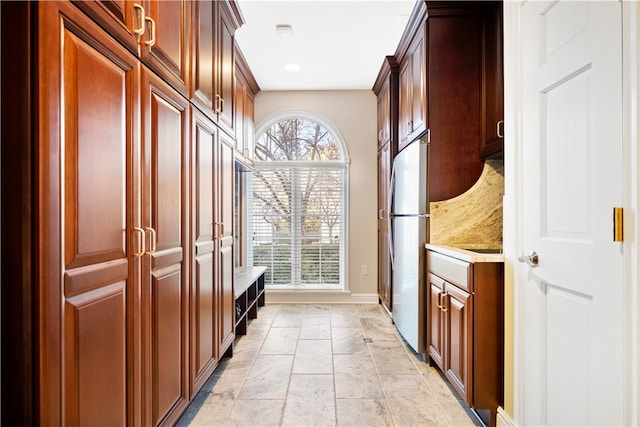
(115, 317)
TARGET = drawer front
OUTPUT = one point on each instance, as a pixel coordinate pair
(452, 270)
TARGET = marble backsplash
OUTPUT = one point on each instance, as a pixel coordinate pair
(474, 218)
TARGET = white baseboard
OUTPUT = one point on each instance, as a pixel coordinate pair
(503, 419)
(281, 296)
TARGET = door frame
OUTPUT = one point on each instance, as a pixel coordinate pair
(513, 230)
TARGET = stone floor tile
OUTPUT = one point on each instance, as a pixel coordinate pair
(313, 357)
(363, 412)
(263, 413)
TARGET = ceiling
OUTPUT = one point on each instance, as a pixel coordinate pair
(338, 44)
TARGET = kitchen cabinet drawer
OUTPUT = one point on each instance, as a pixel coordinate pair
(452, 270)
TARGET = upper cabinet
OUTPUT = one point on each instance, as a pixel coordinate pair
(156, 31)
(246, 90)
(411, 55)
(164, 45)
(494, 83)
(214, 26)
(386, 90)
(450, 82)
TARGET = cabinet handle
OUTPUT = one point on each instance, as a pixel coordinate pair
(153, 32)
(381, 214)
(500, 129)
(380, 137)
(409, 126)
(154, 240)
(443, 303)
(139, 31)
(141, 240)
(220, 230)
(221, 105)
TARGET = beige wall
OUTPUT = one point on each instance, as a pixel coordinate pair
(353, 114)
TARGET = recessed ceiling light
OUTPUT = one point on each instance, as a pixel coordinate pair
(292, 67)
(284, 31)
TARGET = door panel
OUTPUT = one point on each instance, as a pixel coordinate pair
(169, 54)
(434, 321)
(572, 323)
(99, 89)
(224, 216)
(203, 297)
(96, 356)
(165, 201)
(458, 340)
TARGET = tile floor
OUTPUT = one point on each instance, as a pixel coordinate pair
(325, 365)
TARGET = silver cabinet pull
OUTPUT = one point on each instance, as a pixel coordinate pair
(500, 129)
(531, 259)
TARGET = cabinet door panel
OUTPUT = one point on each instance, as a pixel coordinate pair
(99, 89)
(458, 340)
(169, 54)
(224, 216)
(95, 357)
(165, 204)
(202, 58)
(204, 323)
(120, 18)
(225, 71)
(168, 355)
(435, 316)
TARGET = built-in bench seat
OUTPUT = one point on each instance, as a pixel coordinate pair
(249, 294)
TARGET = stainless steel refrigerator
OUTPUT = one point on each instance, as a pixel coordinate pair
(409, 216)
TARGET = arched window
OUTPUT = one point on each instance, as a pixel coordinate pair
(298, 202)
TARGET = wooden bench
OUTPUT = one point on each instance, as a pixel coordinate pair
(249, 294)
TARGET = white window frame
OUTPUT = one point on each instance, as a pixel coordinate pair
(344, 163)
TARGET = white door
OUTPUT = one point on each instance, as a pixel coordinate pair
(570, 172)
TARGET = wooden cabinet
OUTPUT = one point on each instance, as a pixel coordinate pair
(493, 146)
(212, 317)
(466, 328)
(450, 58)
(127, 216)
(224, 179)
(412, 54)
(165, 268)
(164, 45)
(124, 20)
(246, 90)
(214, 26)
(386, 90)
(155, 30)
(450, 328)
(384, 253)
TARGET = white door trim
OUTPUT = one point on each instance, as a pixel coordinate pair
(631, 137)
(513, 228)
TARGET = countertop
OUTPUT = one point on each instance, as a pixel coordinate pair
(467, 255)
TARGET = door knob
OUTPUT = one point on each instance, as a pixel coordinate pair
(531, 259)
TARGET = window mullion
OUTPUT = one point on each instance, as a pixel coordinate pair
(296, 232)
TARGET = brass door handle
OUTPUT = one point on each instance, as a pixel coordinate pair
(141, 241)
(154, 240)
(152, 41)
(140, 31)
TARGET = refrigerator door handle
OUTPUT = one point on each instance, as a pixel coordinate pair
(390, 216)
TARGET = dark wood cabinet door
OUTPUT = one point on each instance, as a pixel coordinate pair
(435, 321)
(165, 202)
(455, 79)
(90, 96)
(384, 256)
(412, 120)
(493, 82)
(384, 114)
(458, 357)
(224, 104)
(122, 19)
(204, 352)
(203, 27)
(224, 238)
(165, 43)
